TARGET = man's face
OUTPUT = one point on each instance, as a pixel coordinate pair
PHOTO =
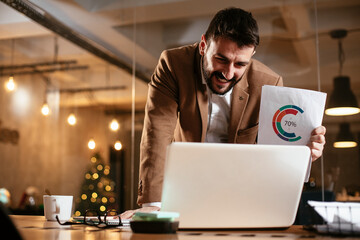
(224, 63)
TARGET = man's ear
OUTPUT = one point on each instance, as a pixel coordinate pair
(202, 45)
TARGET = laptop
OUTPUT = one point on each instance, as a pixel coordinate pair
(223, 186)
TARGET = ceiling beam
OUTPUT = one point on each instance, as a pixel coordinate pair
(38, 64)
(48, 21)
(297, 22)
(91, 89)
(47, 70)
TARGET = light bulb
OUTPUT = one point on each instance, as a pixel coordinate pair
(45, 110)
(10, 84)
(114, 125)
(91, 144)
(118, 145)
(71, 119)
(345, 144)
(342, 111)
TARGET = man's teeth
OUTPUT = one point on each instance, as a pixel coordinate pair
(222, 80)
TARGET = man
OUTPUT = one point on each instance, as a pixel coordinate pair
(206, 92)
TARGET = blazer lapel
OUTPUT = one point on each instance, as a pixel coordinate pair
(239, 100)
(202, 100)
(201, 96)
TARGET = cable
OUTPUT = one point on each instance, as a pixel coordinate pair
(319, 89)
(133, 85)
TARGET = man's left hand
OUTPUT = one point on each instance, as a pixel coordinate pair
(317, 142)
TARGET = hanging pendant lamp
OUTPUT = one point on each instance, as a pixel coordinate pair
(345, 139)
(342, 100)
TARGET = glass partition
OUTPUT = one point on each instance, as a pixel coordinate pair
(87, 93)
(339, 53)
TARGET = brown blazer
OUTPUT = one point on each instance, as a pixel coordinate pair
(177, 110)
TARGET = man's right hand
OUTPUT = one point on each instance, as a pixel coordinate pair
(128, 214)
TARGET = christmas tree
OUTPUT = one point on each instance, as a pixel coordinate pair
(97, 191)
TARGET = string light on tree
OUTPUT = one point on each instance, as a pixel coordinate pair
(97, 191)
(83, 196)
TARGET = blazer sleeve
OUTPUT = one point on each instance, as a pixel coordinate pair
(158, 131)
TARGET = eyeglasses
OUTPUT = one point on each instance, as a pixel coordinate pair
(92, 218)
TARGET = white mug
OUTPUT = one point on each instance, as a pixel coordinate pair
(57, 205)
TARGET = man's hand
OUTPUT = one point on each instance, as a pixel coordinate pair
(317, 142)
(128, 214)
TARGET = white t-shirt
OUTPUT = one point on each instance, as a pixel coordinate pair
(218, 117)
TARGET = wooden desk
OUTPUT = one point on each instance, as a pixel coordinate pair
(37, 228)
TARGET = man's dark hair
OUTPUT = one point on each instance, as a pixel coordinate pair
(234, 24)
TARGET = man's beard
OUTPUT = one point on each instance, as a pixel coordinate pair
(220, 76)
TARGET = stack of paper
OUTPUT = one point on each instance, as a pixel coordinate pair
(339, 217)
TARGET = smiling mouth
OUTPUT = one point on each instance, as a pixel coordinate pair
(221, 79)
(218, 84)
(221, 83)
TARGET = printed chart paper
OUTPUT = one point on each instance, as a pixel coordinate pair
(289, 115)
